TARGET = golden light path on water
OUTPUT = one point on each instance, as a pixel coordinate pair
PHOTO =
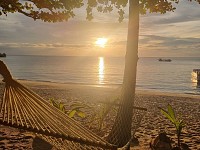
(101, 70)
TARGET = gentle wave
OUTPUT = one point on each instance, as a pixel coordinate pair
(174, 76)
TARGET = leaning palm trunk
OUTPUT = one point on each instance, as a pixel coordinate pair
(121, 131)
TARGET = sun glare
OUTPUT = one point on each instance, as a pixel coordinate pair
(101, 42)
(101, 70)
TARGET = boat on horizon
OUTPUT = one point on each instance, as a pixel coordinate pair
(2, 54)
(165, 60)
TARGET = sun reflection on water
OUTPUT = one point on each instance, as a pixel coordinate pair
(101, 70)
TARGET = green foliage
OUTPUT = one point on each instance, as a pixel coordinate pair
(102, 112)
(178, 123)
(62, 10)
(78, 109)
(58, 105)
(95, 114)
(46, 10)
(75, 108)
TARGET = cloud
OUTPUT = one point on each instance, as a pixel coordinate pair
(2, 19)
(170, 34)
(169, 46)
(185, 11)
(59, 49)
(40, 45)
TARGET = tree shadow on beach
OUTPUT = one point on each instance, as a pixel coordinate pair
(40, 144)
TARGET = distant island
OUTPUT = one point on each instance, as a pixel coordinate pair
(2, 55)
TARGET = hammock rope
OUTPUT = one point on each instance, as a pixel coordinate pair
(24, 109)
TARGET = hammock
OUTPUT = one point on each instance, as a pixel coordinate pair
(22, 108)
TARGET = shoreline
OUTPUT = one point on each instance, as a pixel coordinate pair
(151, 125)
(47, 84)
(113, 86)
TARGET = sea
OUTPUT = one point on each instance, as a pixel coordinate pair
(153, 75)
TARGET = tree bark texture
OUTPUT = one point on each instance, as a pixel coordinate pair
(121, 131)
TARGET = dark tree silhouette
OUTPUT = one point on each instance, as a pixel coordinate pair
(62, 10)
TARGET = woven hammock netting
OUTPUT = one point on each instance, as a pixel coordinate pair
(21, 108)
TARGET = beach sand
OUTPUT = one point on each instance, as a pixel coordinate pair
(186, 106)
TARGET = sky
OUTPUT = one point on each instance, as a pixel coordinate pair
(174, 34)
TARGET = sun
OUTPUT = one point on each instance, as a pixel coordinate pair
(101, 42)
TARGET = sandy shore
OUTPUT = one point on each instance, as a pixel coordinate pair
(187, 106)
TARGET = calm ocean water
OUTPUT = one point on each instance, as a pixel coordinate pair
(172, 76)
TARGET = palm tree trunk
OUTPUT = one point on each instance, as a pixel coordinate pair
(121, 131)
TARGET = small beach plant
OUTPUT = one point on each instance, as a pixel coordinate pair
(177, 122)
(78, 109)
(102, 112)
(58, 105)
(94, 114)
